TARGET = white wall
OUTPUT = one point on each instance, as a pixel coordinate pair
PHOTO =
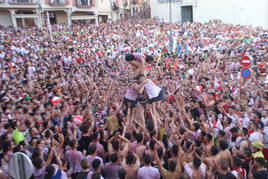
(5, 18)
(245, 12)
(162, 10)
(104, 5)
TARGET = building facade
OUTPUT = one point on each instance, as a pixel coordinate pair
(244, 12)
(17, 13)
(127, 8)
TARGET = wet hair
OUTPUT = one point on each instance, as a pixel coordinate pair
(196, 126)
(149, 58)
(222, 133)
(92, 148)
(128, 135)
(95, 136)
(22, 143)
(139, 137)
(188, 144)
(129, 57)
(130, 158)
(214, 150)
(49, 172)
(96, 164)
(245, 131)
(36, 153)
(6, 126)
(115, 145)
(5, 146)
(84, 128)
(160, 152)
(114, 157)
(17, 149)
(47, 134)
(260, 161)
(147, 159)
(198, 142)
(234, 129)
(122, 173)
(196, 162)
(223, 144)
(237, 161)
(247, 151)
(209, 137)
(152, 133)
(182, 130)
(37, 162)
(152, 144)
(175, 149)
(72, 143)
(84, 164)
(199, 152)
(172, 165)
(150, 126)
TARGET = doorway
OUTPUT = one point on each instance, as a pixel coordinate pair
(187, 14)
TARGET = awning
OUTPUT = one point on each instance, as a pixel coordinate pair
(26, 16)
(83, 17)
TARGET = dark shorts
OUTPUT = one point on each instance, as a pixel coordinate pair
(160, 97)
(127, 101)
(138, 77)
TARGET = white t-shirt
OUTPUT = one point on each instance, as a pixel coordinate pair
(151, 89)
(256, 136)
(265, 138)
(131, 94)
(148, 173)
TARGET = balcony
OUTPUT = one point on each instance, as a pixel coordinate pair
(85, 3)
(58, 2)
(22, 1)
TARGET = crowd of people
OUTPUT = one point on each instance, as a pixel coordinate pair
(61, 101)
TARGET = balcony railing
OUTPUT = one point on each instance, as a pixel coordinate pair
(22, 1)
(58, 2)
(84, 3)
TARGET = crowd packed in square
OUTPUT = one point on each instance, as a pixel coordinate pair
(64, 101)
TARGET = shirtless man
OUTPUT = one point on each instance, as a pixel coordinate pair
(213, 158)
(208, 143)
(196, 169)
(225, 154)
(131, 164)
(137, 146)
(118, 144)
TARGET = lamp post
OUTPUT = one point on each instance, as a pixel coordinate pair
(39, 13)
(170, 21)
(170, 30)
